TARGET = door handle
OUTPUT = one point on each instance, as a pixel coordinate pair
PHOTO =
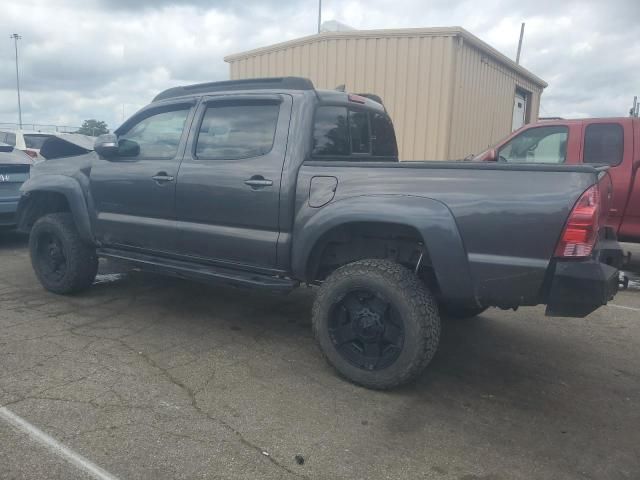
(258, 181)
(162, 177)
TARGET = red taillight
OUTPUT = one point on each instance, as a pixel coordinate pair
(581, 231)
(31, 153)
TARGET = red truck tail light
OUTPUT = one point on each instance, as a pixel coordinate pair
(357, 98)
(581, 231)
(31, 153)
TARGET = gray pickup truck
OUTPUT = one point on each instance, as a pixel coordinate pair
(271, 183)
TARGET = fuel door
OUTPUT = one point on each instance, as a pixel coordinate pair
(322, 190)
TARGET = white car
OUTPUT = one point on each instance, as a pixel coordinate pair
(28, 141)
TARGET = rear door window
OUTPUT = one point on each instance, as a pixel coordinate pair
(603, 144)
(236, 130)
(537, 145)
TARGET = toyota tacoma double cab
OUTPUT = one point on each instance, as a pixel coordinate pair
(271, 183)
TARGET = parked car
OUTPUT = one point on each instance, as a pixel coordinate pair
(270, 183)
(14, 170)
(28, 141)
(596, 141)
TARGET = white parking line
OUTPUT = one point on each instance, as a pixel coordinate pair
(625, 308)
(56, 447)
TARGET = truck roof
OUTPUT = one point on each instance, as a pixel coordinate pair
(270, 84)
(278, 83)
(584, 119)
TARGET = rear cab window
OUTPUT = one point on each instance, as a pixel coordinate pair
(603, 144)
(353, 134)
(35, 140)
(8, 138)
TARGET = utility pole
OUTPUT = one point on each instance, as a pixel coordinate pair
(17, 37)
(319, 14)
(520, 43)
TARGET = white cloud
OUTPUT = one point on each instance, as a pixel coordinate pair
(86, 59)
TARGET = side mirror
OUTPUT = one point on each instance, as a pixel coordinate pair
(128, 148)
(106, 145)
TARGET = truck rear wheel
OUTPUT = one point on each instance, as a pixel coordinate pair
(376, 323)
(63, 262)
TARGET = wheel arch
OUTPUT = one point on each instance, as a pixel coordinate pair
(46, 194)
(431, 221)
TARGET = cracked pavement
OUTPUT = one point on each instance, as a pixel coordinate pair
(153, 378)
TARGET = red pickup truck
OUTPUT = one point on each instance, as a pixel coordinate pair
(609, 141)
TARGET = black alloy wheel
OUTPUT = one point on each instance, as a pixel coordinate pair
(366, 330)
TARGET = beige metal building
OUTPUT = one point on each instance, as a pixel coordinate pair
(449, 93)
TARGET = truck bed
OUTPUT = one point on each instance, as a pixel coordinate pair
(508, 223)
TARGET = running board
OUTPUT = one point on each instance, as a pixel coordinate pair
(203, 273)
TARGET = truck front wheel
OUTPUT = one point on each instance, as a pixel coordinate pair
(376, 323)
(63, 262)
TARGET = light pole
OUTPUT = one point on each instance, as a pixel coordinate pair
(17, 37)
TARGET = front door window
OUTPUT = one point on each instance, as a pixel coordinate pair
(537, 145)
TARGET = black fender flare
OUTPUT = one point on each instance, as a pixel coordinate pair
(431, 218)
(61, 184)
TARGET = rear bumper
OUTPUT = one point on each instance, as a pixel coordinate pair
(578, 287)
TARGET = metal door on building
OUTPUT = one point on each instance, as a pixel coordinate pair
(519, 111)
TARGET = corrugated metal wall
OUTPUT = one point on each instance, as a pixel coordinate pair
(483, 101)
(446, 98)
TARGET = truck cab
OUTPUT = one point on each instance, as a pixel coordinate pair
(599, 141)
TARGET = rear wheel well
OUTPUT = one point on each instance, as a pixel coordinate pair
(38, 204)
(365, 240)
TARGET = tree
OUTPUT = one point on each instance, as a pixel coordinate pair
(93, 127)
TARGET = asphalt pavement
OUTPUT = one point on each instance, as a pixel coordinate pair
(145, 377)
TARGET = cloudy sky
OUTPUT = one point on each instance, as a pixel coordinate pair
(98, 58)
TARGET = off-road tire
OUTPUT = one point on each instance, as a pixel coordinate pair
(80, 257)
(411, 299)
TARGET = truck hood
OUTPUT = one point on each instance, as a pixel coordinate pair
(68, 166)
